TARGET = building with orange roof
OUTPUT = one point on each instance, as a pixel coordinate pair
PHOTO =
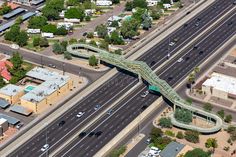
(12, 5)
(4, 70)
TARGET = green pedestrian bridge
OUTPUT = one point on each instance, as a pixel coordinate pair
(144, 71)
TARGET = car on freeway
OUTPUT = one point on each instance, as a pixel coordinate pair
(168, 56)
(172, 43)
(61, 123)
(197, 24)
(109, 112)
(19, 125)
(54, 66)
(153, 63)
(200, 52)
(180, 60)
(187, 58)
(45, 147)
(97, 107)
(144, 94)
(82, 134)
(91, 134)
(144, 107)
(80, 114)
(234, 2)
(97, 134)
(170, 78)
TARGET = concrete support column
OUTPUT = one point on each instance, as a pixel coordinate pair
(139, 78)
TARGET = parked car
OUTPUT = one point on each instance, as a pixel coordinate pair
(19, 125)
(97, 134)
(172, 43)
(80, 114)
(45, 147)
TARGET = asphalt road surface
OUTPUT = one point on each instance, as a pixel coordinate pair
(40, 59)
(55, 133)
(128, 109)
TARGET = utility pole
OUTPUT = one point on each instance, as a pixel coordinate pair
(63, 68)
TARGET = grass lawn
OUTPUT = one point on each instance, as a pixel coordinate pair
(28, 66)
(30, 44)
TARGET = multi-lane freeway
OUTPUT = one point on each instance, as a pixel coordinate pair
(112, 89)
(173, 73)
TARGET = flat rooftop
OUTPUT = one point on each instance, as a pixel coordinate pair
(10, 90)
(52, 82)
(222, 82)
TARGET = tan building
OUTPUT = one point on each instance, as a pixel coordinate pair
(11, 93)
(44, 95)
(220, 86)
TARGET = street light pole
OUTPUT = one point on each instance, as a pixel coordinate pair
(63, 68)
(41, 59)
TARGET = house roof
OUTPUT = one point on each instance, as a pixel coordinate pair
(4, 103)
(172, 149)
(4, 71)
(20, 109)
(10, 90)
(12, 5)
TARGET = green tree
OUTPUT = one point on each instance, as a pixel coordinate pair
(211, 143)
(115, 1)
(37, 22)
(114, 24)
(93, 61)
(87, 4)
(75, 13)
(58, 48)
(129, 28)
(165, 122)
(232, 131)
(104, 45)
(221, 113)
(72, 41)
(93, 43)
(72, 2)
(161, 142)
(36, 41)
(156, 133)
(228, 118)
(2, 82)
(12, 33)
(58, 5)
(208, 107)
(87, 18)
(18, 20)
(43, 42)
(138, 14)
(64, 44)
(180, 135)
(101, 30)
(140, 3)
(5, 9)
(49, 28)
(116, 38)
(50, 13)
(192, 136)
(61, 31)
(147, 23)
(197, 152)
(118, 52)
(90, 35)
(129, 6)
(16, 60)
(22, 38)
(67, 55)
(183, 115)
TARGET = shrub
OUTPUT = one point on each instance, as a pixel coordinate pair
(165, 122)
(169, 133)
(221, 113)
(93, 61)
(228, 118)
(192, 136)
(180, 135)
(183, 115)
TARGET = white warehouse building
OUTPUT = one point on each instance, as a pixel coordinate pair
(220, 86)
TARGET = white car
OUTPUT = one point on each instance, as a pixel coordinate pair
(172, 44)
(144, 94)
(180, 60)
(15, 46)
(80, 114)
(45, 147)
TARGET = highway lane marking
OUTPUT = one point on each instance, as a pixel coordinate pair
(198, 42)
(193, 34)
(128, 86)
(196, 60)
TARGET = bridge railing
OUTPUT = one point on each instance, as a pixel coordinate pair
(142, 69)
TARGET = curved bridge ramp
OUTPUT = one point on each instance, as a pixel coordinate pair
(144, 71)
